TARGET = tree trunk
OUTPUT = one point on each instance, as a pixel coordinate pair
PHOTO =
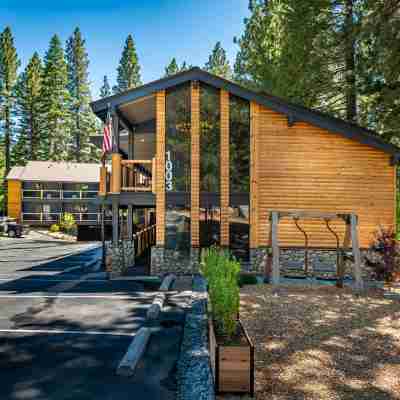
(350, 67)
(7, 137)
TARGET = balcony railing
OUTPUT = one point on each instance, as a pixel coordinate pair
(39, 194)
(128, 176)
(47, 218)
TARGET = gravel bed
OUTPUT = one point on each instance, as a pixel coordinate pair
(323, 343)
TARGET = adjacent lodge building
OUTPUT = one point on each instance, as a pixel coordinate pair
(206, 161)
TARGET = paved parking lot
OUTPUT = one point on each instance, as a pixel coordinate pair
(64, 329)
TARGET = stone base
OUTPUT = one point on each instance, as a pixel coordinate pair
(165, 261)
(119, 257)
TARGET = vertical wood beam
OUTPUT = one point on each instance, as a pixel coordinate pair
(195, 163)
(160, 167)
(254, 210)
(356, 252)
(130, 222)
(116, 173)
(115, 222)
(115, 131)
(103, 181)
(275, 248)
(224, 163)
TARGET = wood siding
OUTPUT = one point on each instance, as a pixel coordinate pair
(308, 168)
(224, 140)
(254, 167)
(195, 164)
(160, 168)
(14, 199)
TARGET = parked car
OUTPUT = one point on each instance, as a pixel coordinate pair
(10, 227)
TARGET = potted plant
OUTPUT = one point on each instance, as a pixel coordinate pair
(231, 350)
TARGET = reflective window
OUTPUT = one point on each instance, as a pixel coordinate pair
(210, 222)
(177, 228)
(239, 232)
(177, 145)
(209, 139)
(239, 145)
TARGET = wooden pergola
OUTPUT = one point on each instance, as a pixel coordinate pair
(351, 235)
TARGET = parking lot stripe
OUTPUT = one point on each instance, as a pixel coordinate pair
(61, 331)
(53, 280)
(72, 296)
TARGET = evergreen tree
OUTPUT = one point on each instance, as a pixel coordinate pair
(128, 70)
(105, 89)
(218, 63)
(56, 103)
(82, 118)
(173, 68)
(29, 110)
(9, 64)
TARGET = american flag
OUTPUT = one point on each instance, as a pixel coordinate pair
(107, 134)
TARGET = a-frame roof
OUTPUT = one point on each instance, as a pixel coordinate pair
(294, 113)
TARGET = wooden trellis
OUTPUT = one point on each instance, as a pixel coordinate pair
(351, 235)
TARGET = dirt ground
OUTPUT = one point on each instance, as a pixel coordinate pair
(323, 343)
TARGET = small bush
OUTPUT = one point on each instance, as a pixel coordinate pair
(54, 228)
(68, 224)
(221, 272)
(384, 254)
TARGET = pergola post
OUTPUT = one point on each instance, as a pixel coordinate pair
(275, 248)
(356, 252)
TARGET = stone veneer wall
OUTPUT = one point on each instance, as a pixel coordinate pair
(173, 261)
(119, 257)
(322, 257)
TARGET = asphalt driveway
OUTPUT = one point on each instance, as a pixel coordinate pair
(64, 329)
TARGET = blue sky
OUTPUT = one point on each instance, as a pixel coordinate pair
(162, 29)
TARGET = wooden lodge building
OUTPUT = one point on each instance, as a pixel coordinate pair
(211, 160)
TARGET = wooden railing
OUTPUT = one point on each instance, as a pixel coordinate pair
(144, 240)
(128, 176)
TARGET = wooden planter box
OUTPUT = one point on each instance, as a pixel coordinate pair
(232, 366)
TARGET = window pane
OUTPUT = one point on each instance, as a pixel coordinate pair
(209, 139)
(177, 162)
(239, 232)
(177, 228)
(210, 221)
(239, 145)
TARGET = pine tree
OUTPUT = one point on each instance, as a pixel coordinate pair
(128, 70)
(29, 111)
(56, 103)
(218, 63)
(105, 89)
(173, 68)
(9, 64)
(82, 118)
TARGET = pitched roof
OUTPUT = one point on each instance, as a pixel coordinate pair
(295, 113)
(49, 171)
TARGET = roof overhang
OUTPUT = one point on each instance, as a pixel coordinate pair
(293, 112)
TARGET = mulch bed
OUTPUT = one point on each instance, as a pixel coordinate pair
(323, 343)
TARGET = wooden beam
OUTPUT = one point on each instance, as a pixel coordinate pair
(103, 181)
(116, 173)
(275, 248)
(356, 253)
(115, 222)
(160, 168)
(224, 184)
(115, 131)
(123, 121)
(254, 208)
(195, 163)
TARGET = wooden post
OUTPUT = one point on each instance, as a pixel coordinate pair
(160, 168)
(195, 163)
(115, 131)
(116, 173)
(346, 243)
(115, 222)
(130, 222)
(103, 181)
(153, 175)
(224, 140)
(275, 248)
(356, 253)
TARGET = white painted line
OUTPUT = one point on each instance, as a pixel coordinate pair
(61, 331)
(51, 280)
(72, 296)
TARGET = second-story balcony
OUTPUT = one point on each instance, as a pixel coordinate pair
(128, 176)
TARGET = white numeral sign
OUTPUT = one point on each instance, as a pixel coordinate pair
(168, 171)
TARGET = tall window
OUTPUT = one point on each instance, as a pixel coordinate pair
(239, 165)
(177, 146)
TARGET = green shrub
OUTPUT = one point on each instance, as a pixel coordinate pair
(67, 223)
(222, 271)
(54, 228)
(247, 279)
